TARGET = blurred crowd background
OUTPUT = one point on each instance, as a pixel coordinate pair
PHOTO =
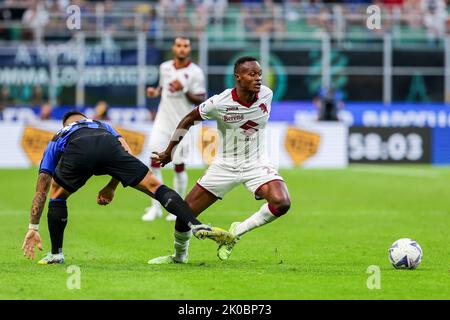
(28, 19)
(377, 71)
(316, 51)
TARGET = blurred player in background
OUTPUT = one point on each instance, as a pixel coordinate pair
(328, 103)
(181, 86)
(241, 114)
(101, 111)
(84, 148)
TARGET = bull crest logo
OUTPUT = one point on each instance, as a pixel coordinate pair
(34, 141)
(301, 145)
(134, 139)
(208, 143)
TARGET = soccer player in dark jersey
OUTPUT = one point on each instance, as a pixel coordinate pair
(83, 148)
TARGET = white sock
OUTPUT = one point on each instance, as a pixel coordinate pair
(157, 173)
(181, 244)
(258, 219)
(180, 181)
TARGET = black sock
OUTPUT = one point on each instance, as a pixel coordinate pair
(57, 221)
(175, 205)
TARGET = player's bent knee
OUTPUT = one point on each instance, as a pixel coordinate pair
(280, 207)
(149, 184)
(151, 180)
(58, 192)
(154, 183)
(285, 206)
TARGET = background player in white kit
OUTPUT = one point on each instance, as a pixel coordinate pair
(181, 85)
(241, 114)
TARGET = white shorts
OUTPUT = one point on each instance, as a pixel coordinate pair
(159, 140)
(219, 180)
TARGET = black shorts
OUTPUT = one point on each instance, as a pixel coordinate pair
(96, 152)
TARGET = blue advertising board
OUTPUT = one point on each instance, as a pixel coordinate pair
(440, 146)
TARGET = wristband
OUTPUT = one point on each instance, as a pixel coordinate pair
(33, 227)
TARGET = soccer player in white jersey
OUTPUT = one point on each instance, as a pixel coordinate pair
(241, 114)
(181, 86)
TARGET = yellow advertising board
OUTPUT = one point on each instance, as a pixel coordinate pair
(301, 144)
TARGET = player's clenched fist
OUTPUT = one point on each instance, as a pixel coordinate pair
(105, 196)
(175, 86)
(162, 158)
(153, 92)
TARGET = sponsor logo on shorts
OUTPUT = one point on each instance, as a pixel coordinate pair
(232, 118)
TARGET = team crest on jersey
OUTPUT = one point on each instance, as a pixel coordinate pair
(233, 118)
(263, 108)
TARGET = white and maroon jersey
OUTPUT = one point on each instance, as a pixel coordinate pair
(241, 126)
(174, 106)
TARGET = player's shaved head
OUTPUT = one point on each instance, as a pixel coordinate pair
(72, 114)
(242, 60)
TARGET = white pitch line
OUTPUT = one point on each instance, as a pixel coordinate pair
(396, 171)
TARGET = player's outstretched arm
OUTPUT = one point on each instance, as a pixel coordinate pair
(32, 238)
(182, 129)
(195, 98)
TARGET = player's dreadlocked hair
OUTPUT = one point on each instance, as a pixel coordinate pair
(242, 60)
(68, 114)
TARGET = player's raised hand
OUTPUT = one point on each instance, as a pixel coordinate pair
(175, 86)
(105, 196)
(162, 158)
(32, 238)
(152, 92)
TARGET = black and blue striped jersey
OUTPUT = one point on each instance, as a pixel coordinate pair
(55, 148)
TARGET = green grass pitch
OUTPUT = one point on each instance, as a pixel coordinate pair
(341, 222)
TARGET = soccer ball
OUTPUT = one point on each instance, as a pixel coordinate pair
(405, 254)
